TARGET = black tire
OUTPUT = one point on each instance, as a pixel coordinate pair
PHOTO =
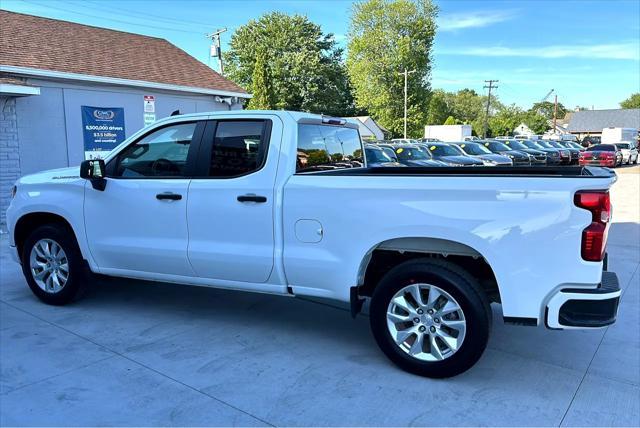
(462, 287)
(77, 277)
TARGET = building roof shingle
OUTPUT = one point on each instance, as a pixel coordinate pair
(597, 120)
(50, 44)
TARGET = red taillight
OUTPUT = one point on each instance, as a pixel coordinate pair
(594, 237)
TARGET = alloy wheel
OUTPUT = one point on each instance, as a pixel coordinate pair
(49, 265)
(426, 322)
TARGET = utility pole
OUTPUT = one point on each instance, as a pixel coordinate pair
(555, 113)
(406, 74)
(486, 117)
(216, 50)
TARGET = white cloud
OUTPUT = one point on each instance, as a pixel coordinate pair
(628, 50)
(460, 21)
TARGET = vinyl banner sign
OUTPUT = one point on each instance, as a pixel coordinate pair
(103, 130)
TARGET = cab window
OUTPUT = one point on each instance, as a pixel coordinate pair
(162, 153)
(326, 147)
(239, 148)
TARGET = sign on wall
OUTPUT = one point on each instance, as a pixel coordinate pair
(103, 130)
(149, 109)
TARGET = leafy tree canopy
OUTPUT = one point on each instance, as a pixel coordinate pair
(546, 108)
(385, 38)
(450, 121)
(632, 102)
(263, 98)
(303, 64)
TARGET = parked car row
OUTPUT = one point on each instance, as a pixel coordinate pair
(611, 155)
(476, 152)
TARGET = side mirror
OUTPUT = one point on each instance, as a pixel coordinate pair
(93, 170)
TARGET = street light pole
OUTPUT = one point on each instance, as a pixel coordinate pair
(406, 75)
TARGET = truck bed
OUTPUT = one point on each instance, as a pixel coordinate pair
(533, 171)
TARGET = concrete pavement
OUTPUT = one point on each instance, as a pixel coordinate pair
(135, 353)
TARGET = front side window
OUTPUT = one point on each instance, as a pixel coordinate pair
(162, 153)
(239, 148)
(325, 147)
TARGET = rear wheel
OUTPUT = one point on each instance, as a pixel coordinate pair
(52, 265)
(431, 318)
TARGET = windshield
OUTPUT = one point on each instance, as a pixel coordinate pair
(390, 152)
(442, 150)
(602, 148)
(496, 146)
(546, 144)
(474, 149)
(375, 155)
(410, 153)
(557, 145)
(623, 145)
(532, 145)
(516, 145)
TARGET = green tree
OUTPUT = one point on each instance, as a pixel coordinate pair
(450, 121)
(466, 105)
(304, 65)
(262, 89)
(506, 120)
(385, 38)
(438, 109)
(546, 108)
(632, 102)
(536, 122)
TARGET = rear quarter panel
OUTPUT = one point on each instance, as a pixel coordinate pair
(527, 228)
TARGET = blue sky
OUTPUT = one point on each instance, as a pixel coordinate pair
(587, 51)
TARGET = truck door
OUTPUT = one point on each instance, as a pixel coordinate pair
(231, 203)
(139, 222)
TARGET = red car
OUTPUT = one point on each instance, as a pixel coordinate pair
(601, 155)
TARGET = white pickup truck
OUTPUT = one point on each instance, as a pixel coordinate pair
(283, 203)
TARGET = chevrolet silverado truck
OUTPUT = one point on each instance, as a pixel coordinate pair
(284, 203)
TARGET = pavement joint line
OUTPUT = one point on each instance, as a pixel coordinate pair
(142, 365)
(488, 347)
(58, 375)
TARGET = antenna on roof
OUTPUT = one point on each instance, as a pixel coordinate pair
(175, 113)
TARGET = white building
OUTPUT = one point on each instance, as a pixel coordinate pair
(369, 128)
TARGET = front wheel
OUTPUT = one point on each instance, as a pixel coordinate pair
(431, 318)
(52, 265)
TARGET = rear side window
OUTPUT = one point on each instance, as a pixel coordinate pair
(239, 148)
(325, 147)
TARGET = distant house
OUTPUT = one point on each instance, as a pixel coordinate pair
(592, 122)
(523, 129)
(369, 128)
(70, 91)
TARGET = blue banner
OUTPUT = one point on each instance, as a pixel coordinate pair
(103, 130)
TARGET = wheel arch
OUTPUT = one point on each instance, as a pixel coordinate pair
(387, 254)
(30, 221)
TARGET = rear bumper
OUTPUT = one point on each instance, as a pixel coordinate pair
(577, 308)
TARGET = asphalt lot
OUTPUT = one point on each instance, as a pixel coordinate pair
(134, 353)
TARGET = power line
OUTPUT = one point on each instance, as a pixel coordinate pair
(145, 15)
(486, 116)
(108, 19)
